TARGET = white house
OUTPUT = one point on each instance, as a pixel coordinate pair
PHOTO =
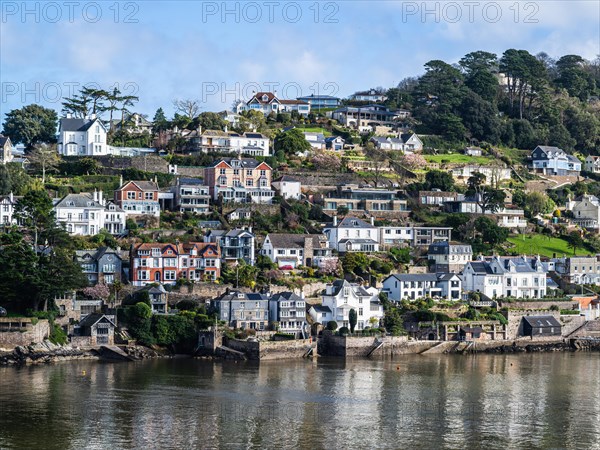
(7, 210)
(267, 103)
(586, 211)
(316, 140)
(592, 164)
(249, 143)
(6, 150)
(86, 214)
(342, 296)
(473, 151)
(352, 235)
(519, 277)
(82, 137)
(511, 218)
(287, 187)
(288, 249)
(408, 286)
(368, 96)
(554, 161)
(414, 236)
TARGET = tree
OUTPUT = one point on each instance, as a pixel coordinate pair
(209, 121)
(35, 212)
(99, 291)
(323, 160)
(32, 279)
(352, 319)
(31, 125)
(291, 142)
(412, 161)
(188, 108)
(487, 198)
(5, 182)
(574, 241)
(160, 125)
(45, 158)
(438, 179)
(491, 232)
(378, 159)
(538, 203)
(332, 325)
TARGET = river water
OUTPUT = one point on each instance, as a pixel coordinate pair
(545, 400)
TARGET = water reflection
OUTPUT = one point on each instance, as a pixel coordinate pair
(447, 401)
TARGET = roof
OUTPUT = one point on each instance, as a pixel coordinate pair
(76, 124)
(446, 248)
(92, 319)
(83, 200)
(235, 295)
(292, 102)
(353, 222)
(358, 289)
(286, 178)
(142, 185)
(3, 140)
(321, 308)
(259, 97)
(415, 276)
(321, 97)
(542, 321)
(290, 240)
(287, 296)
(245, 163)
(97, 253)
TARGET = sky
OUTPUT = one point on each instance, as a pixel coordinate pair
(217, 52)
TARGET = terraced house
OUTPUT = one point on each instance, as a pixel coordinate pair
(243, 310)
(166, 263)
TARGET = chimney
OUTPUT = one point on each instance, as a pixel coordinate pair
(101, 198)
(95, 195)
(335, 222)
(121, 180)
(11, 197)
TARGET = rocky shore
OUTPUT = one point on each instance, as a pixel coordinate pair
(47, 353)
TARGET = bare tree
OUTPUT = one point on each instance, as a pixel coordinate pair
(188, 108)
(45, 158)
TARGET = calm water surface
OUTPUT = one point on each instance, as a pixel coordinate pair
(446, 401)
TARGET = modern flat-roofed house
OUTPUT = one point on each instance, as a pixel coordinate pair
(289, 310)
(408, 286)
(82, 137)
(554, 161)
(316, 140)
(6, 150)
(370, 200)
(320, 101)
(191, 195)
(367, 118)
(368, 96)
(243, 310)
(413, 235)
(437, 198)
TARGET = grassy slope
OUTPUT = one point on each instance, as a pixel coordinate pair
(539, 244)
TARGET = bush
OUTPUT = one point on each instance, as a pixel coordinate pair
(57, 335)
(344, 331)
(332, 325)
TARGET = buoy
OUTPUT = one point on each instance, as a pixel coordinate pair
(83, 372)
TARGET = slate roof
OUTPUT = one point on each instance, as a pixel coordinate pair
(259, 97)
(246, 296)
(542, 321)
(353, 222)
(290, 240)
(286, 178)
(92, 319)
(3, 140)
(446, 248)
(77, 124)
(321, 308)
(415, 277)
(358, 289)
(83, 200)
(287, 297)
(245, 163)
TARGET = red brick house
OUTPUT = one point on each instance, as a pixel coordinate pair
(138, 198)
(166, 263)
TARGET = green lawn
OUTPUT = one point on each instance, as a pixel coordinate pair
(457, 158)
(539, 244)
(315, 130)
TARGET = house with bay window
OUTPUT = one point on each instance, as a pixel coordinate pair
(289, 311)
(243, 310)
(241, 180)
(166, 263)
(102, 265)
(503, 276)
(86, 214)
(340, 297)
(138, 198)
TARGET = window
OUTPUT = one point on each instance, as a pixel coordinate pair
(149, 195)
(222, 171)
(170, 275)
(131, 196)
(249, 183)
(249, 172)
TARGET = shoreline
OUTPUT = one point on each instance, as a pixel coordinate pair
(48, 353)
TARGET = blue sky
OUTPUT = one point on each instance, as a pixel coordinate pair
(163, 51)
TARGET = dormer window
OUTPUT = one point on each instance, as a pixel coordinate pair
(265, 98)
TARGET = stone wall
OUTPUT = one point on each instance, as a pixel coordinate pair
(270, 350)
(207, 291)
(347, 346)
(540, 305)
(24, 334)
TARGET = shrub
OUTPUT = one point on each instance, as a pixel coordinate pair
(57, 335)
(344, 331)
(332, 325)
